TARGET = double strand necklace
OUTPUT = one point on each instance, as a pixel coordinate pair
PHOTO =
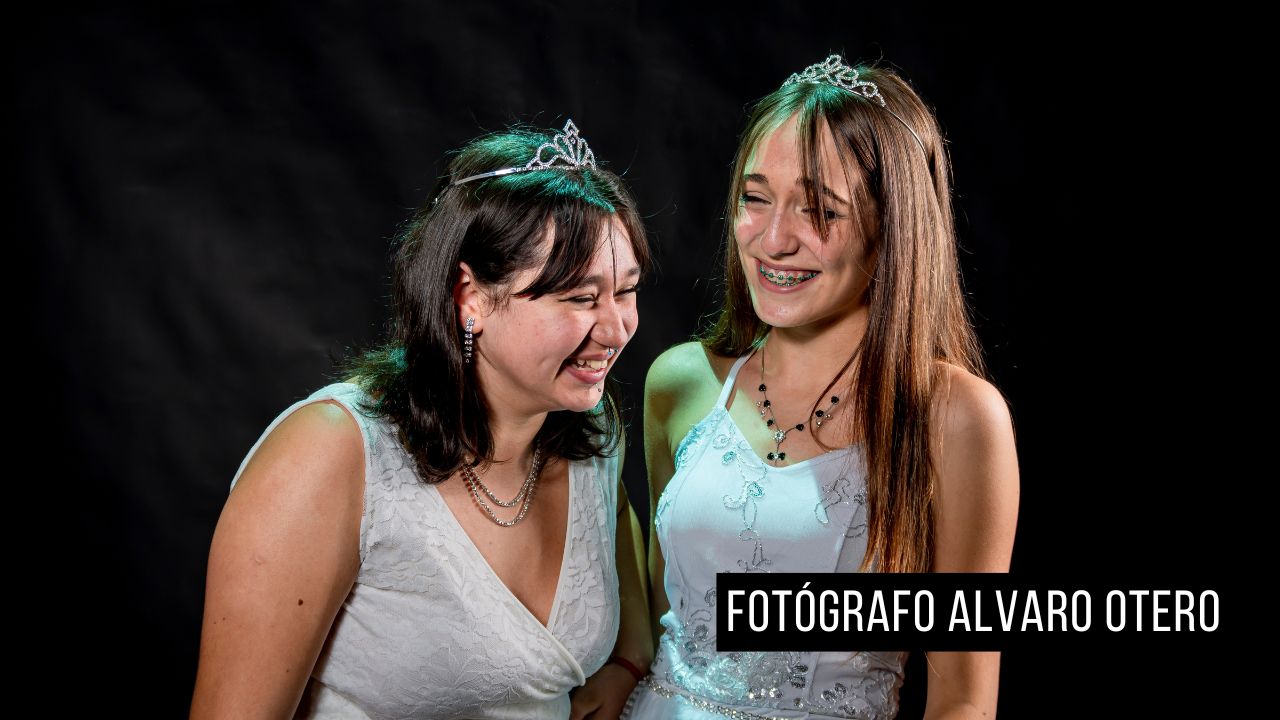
(527, 489)
(771, 422)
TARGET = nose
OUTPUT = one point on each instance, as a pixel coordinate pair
(781, 236)
(610, 329)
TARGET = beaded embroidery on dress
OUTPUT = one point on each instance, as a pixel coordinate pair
(428, 630)
(726, 510)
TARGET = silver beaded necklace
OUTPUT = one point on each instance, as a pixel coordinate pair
(527, 489)
(779, 435)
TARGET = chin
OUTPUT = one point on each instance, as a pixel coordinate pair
(777, 314)
(581, 403)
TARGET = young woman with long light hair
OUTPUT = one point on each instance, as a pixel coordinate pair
(836, 417)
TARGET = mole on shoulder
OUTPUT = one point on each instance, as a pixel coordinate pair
(299, 601)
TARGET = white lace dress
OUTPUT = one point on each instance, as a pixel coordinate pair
(428, 630)
(726, 510)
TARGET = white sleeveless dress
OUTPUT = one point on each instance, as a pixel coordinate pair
(428, 630)
(726, 510)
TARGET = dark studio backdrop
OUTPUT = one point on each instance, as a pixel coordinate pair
(208, 197)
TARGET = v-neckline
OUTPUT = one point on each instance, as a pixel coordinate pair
(484, 562)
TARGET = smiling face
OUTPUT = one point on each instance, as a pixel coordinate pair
(552, 353)
(795, 276)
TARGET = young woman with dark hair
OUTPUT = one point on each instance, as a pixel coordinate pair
(836, 417)
(444, 533)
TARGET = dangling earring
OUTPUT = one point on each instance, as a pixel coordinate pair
(467, 339)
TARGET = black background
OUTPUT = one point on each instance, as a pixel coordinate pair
(205, 199)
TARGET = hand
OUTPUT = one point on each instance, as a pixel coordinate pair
(604, 694)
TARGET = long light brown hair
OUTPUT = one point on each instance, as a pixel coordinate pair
(917, 315)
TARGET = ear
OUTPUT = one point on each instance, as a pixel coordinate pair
(469, 298)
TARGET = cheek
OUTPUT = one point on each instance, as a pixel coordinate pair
(565, 333)
(562, 336)
(540, 333)
(838, 254)
(743, 229)
(631, 320)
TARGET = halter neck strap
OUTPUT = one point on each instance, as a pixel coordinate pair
(728, 381)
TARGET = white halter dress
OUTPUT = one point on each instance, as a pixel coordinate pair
(726, 510)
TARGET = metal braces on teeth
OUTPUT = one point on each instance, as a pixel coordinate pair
(779, 279)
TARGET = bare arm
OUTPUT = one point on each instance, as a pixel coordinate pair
(975, 518)
(673, 394)
(284, 556)
(659, 402)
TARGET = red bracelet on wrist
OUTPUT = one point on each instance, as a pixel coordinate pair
(630, 666)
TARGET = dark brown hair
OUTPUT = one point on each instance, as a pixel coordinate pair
(917, 313)
(418, 377)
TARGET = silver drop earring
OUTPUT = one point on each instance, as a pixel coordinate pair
(467, 340)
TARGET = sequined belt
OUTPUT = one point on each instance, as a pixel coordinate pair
(652, 683)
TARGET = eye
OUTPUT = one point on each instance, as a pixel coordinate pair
(830, 215)
(629, 291)
(749, 198)
(582, 299)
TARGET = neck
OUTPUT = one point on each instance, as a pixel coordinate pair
(513, 437)
(812, 354)
(513, 428)
(513, 417)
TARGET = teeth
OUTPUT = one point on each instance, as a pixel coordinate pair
(592, 364)
(784, 278)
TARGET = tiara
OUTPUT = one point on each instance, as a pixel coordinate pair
(834, 72)
(566, 150)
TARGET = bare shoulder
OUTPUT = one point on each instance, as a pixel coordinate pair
(681, 387)
(320, 436)
(978, 484)
(308, 472)
(687, 366)
(968, 406)
(302, 487)
(298, 503)
(973, 441)
(323, 416)
(684, 380)
(679, 368)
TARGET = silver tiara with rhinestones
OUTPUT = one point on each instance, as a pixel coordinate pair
(834, 72)
(566, 150)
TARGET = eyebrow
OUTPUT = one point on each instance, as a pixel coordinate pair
(760, 178)
(597, 279)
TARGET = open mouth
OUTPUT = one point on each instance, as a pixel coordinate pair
(588, 370)
(785, 278)
(588, 364)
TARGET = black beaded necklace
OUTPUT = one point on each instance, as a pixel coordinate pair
(771, 422)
